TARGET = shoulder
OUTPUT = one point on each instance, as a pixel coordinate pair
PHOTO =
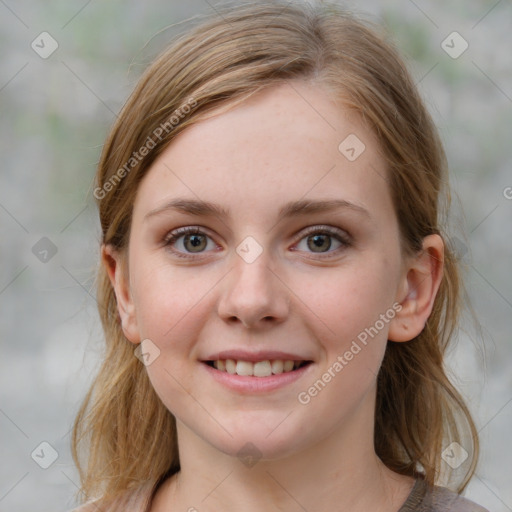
(134, 500)
(425, 498)
(444, 499)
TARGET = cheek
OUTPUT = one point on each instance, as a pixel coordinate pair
(356, 305)
(357, 308)
(172, 306)
(169, 299)
(352, 299)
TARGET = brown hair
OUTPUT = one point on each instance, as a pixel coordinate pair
(127, 434)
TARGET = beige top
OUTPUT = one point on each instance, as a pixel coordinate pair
(421, 499)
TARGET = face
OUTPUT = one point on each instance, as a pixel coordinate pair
(263, 235)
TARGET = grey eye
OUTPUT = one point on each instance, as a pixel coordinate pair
(319, 243)
(195, 243)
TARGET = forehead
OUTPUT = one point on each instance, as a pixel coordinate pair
(288, 142)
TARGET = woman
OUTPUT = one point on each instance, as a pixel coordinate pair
(275, 288)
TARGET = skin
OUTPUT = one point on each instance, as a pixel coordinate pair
(280, 145)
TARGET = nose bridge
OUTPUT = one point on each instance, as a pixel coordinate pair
(252, 292)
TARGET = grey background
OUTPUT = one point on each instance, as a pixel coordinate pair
(54, 115)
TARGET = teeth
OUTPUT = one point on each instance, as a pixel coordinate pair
(244, 368)
(262, 369)
(230, 366)
(288, 366)
(277, 366)
(259, 369)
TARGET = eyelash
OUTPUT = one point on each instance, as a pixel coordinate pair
(344, 238)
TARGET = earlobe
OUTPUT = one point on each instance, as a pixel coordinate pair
(115, 266)
(420, 284)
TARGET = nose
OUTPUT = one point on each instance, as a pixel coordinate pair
(254, 295)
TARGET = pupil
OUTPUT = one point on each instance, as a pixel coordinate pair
(195, 241)
(320, 242)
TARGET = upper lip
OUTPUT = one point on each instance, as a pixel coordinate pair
(264, 355)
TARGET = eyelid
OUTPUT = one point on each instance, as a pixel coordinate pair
(185, 230)
(326, 229)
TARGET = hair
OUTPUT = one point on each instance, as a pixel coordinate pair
(123, 435)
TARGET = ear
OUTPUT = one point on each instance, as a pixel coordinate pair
(420, 283)
(116, 266)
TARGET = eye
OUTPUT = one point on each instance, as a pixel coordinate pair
(323, 239)
(189, 240)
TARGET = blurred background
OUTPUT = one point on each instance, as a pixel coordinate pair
(66, 69)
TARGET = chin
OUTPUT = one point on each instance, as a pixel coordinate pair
(253, 441)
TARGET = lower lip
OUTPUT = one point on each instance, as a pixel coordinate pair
(249, 384)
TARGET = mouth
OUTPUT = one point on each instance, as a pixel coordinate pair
(264, 368)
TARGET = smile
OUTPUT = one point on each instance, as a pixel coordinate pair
(264, 368)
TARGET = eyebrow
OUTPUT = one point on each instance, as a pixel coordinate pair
(295, 208)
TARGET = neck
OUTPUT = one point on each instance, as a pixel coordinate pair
(339, 472)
